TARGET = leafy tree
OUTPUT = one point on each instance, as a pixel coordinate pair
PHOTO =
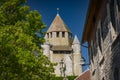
(21, 56)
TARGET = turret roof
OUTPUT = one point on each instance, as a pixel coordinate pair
(76, 41)
(58, 25)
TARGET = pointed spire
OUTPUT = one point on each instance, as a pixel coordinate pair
(76, 41)
(57, 11)
(58, 25)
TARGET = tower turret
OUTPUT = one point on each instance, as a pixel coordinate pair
(76, 56)
(76, 45)
(46, 48)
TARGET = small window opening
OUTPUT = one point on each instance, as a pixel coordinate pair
(51, 34)
(63, 34)
(57, 34)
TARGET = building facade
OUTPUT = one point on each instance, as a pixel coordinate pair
(102, 32)
(60, 49)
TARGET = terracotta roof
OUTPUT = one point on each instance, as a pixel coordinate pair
(58, 25)
(61, 48)
(84, 76)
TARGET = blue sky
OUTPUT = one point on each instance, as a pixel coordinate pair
(73, 13)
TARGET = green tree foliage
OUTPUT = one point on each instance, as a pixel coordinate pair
(21, 57)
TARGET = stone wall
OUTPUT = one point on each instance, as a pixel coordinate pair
(104, 61)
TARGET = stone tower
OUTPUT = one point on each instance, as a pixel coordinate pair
(59, 48)
(77, 56)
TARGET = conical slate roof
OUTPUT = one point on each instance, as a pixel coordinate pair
(58, 25)
(76, 41)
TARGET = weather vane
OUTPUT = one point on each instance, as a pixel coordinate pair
(57, 10)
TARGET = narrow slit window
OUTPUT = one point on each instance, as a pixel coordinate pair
(47, 35)
(63, 34)
(57, 34)
(51, 34)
